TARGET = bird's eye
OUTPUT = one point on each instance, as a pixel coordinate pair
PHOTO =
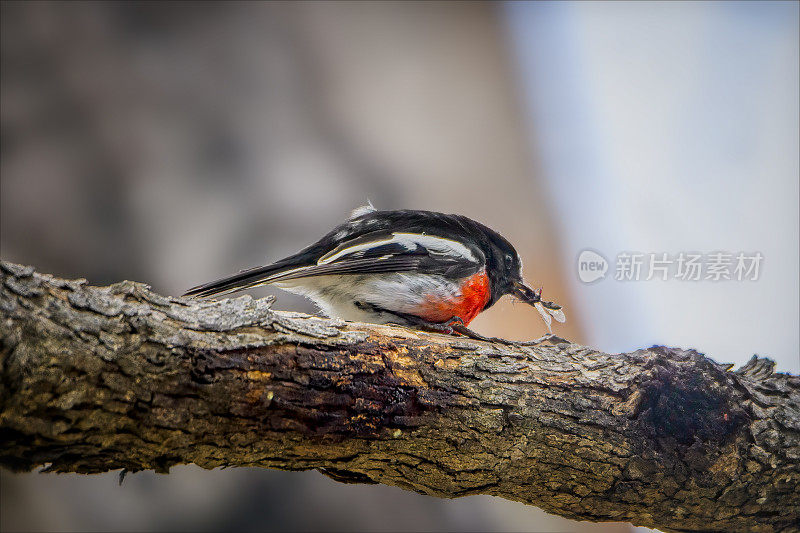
(509, 258)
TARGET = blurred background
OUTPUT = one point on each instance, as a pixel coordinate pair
(177, 143)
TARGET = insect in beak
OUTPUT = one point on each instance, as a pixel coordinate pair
(525, 294)
(534, 298)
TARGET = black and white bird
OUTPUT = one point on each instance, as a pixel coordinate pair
(415, 268)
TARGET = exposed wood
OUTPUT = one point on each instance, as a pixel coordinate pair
(101, 378)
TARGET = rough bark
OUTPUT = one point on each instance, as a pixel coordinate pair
(100, 378)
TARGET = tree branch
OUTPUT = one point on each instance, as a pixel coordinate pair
(101, 378)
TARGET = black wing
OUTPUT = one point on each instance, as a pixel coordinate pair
(375, 252)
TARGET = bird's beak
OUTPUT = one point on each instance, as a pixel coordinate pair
(526, 294)
(534, 298)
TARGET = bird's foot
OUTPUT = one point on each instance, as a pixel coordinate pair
(454, 326)
(457, 325)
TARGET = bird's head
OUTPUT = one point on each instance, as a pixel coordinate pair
(504, 268)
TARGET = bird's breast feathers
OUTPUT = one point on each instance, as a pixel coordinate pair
(386, 298)
(473, 294)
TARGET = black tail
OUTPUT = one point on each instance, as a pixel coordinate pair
(238, 282)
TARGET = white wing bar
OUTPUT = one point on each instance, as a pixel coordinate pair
(409, 241)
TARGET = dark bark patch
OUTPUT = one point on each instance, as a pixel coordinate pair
(345, 476)
(314, 388)
(683, 404)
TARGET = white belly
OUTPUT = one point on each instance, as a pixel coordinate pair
(336, 296)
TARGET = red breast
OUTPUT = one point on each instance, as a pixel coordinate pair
(475, 293)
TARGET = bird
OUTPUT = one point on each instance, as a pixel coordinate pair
(420, 269)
